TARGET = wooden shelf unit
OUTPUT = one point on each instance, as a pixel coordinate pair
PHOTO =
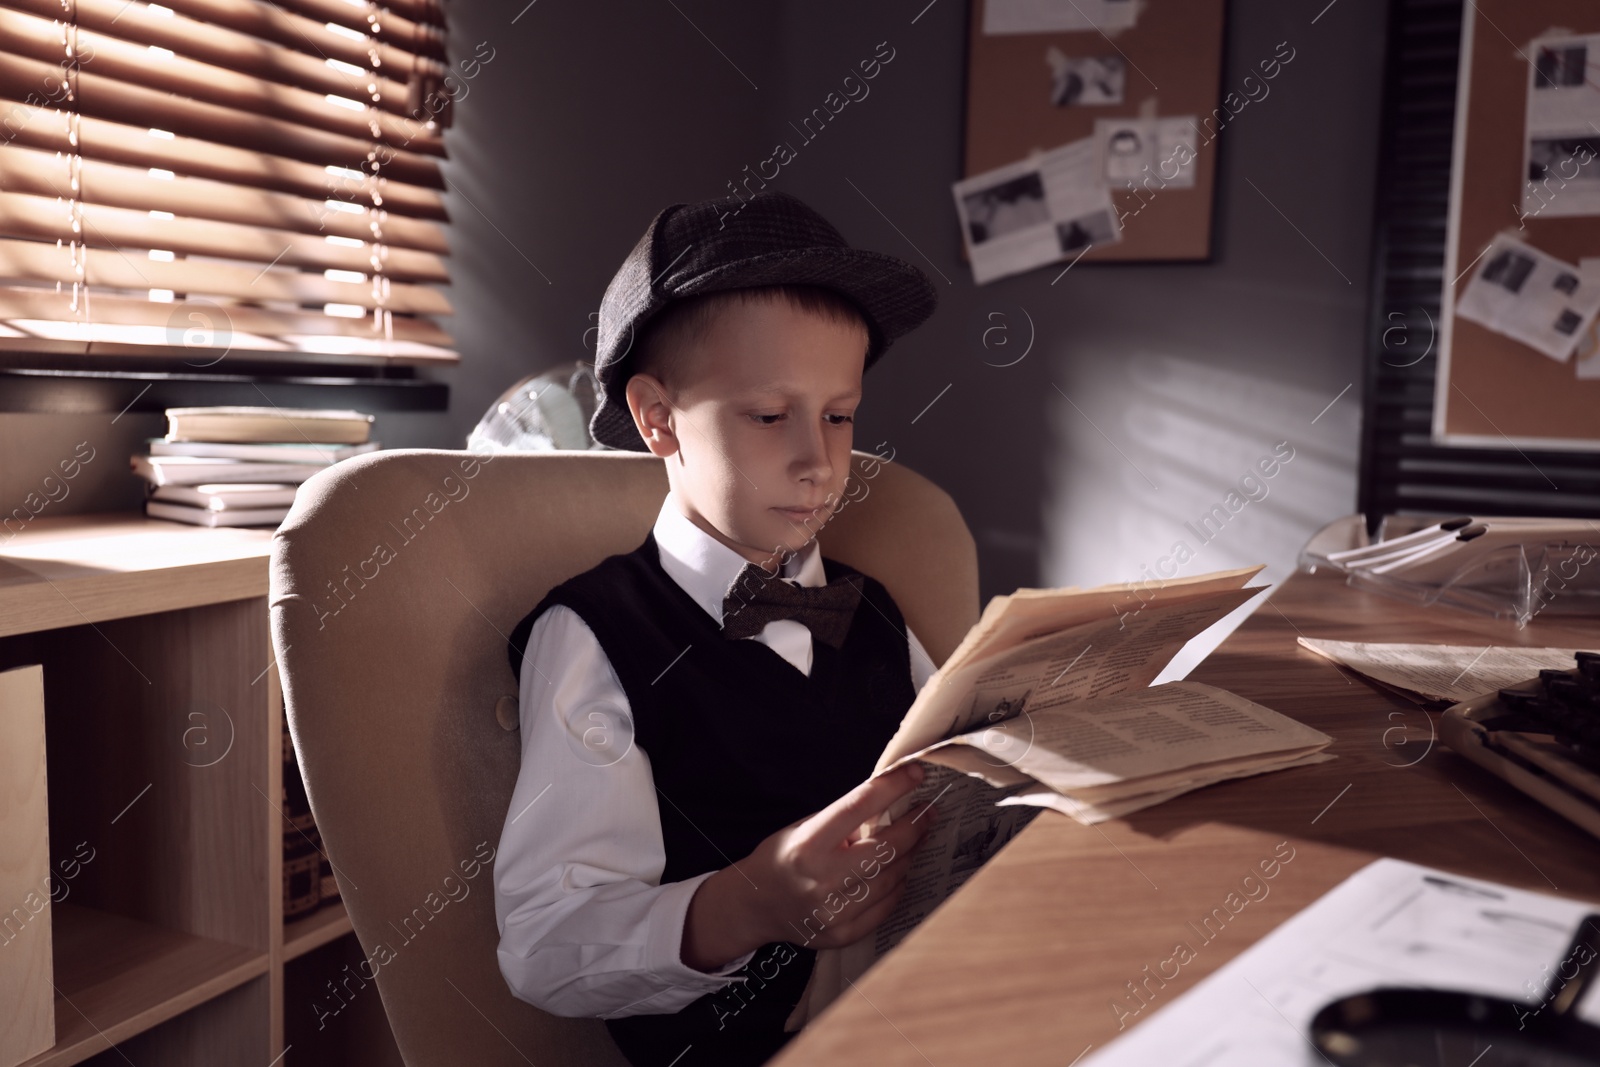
(163, 723)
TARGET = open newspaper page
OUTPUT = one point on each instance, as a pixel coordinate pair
(1043, 647)
(1132, 750)
(1035, 649)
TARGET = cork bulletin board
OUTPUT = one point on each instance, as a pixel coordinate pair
(1169, 63)
(1524, 175)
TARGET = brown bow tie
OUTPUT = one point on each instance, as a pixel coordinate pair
(755, 598)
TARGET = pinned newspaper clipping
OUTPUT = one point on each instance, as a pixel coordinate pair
(1050, 207)
(1532, 297)
(1561, 154)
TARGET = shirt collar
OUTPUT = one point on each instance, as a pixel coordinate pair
(705, 567)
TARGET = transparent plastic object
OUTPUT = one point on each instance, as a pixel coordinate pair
(1544, 574)
(541, 413)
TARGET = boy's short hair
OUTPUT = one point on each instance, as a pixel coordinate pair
(686, 322)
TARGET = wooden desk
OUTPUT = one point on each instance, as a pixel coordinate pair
(1025, 963)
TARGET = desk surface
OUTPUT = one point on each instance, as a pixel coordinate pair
(1025, 964)
(75, 569)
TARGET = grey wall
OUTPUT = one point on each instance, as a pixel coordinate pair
(1149, 390)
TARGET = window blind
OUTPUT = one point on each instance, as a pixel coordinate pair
(253, 176)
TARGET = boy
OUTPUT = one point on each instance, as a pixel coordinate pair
(683, 829)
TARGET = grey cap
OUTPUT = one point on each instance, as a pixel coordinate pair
(771, 238)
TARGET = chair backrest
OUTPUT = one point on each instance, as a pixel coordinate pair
(396, 579)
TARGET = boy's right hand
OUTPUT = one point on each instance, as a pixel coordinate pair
(815, 882)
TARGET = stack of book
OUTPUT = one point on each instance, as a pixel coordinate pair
(240, 466)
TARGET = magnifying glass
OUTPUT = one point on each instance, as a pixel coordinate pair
(1394, 1027)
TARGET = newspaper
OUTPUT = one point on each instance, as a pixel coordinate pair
(1047, 703)
(1532, 297)
(1561, 144)
(1046, 208)
(1442, 674)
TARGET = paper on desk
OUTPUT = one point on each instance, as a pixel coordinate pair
(1443, 673)
(1391, 923)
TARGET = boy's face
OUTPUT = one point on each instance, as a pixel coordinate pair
(758, 428)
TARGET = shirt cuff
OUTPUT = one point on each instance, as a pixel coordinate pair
(664, 940)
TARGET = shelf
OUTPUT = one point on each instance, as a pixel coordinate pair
(84, 391)
(164, 742)
(73, 569)
(116, 977)
(328, 923)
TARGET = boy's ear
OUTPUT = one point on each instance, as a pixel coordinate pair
(651, 408)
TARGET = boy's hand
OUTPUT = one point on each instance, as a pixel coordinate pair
(815, 882)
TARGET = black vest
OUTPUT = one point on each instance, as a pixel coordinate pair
(741, 744)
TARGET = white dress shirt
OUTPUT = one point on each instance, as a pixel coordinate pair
(586, 928)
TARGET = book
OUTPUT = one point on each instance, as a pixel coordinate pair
(1047, 703)
(157, 509)
(226, 496)
(267, 424)
(197, 470)
(266, 451)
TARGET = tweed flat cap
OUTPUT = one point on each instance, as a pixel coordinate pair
(771, 238)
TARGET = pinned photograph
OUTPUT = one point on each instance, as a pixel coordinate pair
(1147, 154)
(1084, 80)
(1095, 228)
(1560, 66)
(1047, 208)
(1532, 297)
(1561, 146)
(1005, 208)
(1564, 159)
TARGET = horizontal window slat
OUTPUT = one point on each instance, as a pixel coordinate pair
(29, 171)
(270, 22)
(117, 269)
(389, 25)
(30, 80)
(133, 67)
(18, 303)
(23, 215)
(254, 352)
(115, 142)
(428, 11)
(242, 52)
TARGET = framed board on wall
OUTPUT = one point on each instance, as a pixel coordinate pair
(1136, 84)
(1518, 364)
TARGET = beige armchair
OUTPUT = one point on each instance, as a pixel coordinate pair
(395, 581)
